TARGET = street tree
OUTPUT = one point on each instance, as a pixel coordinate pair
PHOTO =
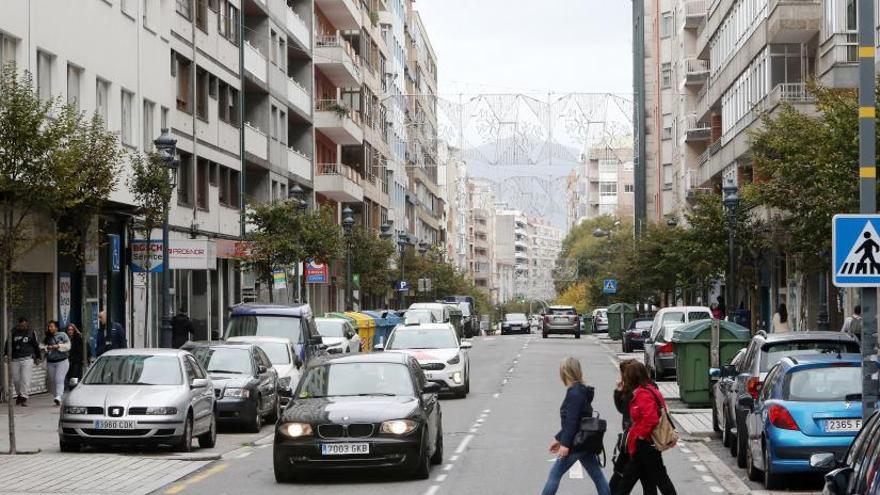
(370, 259)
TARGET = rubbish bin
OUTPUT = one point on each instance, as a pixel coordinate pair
(385, 323)
(701, 345)
(366, 328)
(619, 316)
(586, 323)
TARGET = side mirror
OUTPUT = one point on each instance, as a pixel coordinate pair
(728, 370)
(199, 383)
(379, 347)
(646, 333)
(836, 481)
(297, 362)
(431, 388)
(746, 402)
(73, 382)
(823, 460)
(335, 350)
(715, 373)
(261, 369)
(466, 344)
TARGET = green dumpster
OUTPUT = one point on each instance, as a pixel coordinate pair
(587, 323)
(619, 316)
(701, 345)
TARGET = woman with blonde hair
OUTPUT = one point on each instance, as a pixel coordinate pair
(578, 403)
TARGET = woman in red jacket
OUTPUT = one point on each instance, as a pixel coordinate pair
(645, 461)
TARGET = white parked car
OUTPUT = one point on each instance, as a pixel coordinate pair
(338, 335)
(436, 347)
(283, 357)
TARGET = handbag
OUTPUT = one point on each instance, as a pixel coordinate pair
(664, 435)
(591, 435)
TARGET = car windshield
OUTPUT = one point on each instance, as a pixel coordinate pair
(418, 316)
(436, 311)
(287, 327)
(561, 311)
(641, 324)
(465, 308)
(353, 379)
(135, 370)
(824, 384)
(673, 317)
(698, 315)
(422, 338)
(224, 360)
(515, 317)
(773, 352)
(278, 352)
(331, 327)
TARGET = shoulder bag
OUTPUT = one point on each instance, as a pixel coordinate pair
(664, 435)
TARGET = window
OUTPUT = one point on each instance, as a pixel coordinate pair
(202, 93)
(666, 75)
(227, 21)
(608, 189)
(163, 118)
(184, 180)
(127, 7)
(44, 75)
(666, 25)
(149, 12)
(282, 118)
(184, 8)
(234, 193)
(202, 184)
(274, 122)
(149, 108)
(227, 103)
(667, 174)
(184, 73)
(223, 186)
(202, 15)
(608, 165)
(74, 77)
(273, 47)
(102, 100)
(212, 175)
(628, 188)
(7, 49)
(282, 54)
(127, 135)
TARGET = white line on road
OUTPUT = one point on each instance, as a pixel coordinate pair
(453, 458)
(694, 458)
(701, 468)
(510, 370)
(243, 455)
(716, 489)
(504, 382)
(685, 451)
(464, 443)
(486, 411)
(473, 430)
(576, 473)
(708, 479)
(432, 490)
(495, 395)
(441, 478)
(448, 467)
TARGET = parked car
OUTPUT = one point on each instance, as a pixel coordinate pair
(806, 404)
(659, 349)
(562, 320)
(441, 311)
(764, 351)
(858, 473)
(635, 334)
(600, 320)
(440, 353)
(535, 322)
(418, 317)
(245, 383)
(469, 316)
(284, 359)
(722, 382)
(338, 335)
(295, 323)
(360, 412)
(140, 396)
(515, 323)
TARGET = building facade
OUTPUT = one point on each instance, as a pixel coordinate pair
(602, 185)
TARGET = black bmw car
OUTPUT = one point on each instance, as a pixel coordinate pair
(245, 383)
(360, 412)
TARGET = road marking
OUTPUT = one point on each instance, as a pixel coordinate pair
(701, 468)
(694, 458)
(243, 455)
(473, 430)
(441, 478)
(453, 458)
(685, 451)
(486, 411)
(708, 479)
(448, 467)
(495, 395)
(504, 382)
(179, 487)
(510, 370)
(264, 445)
(464, 443)
(716, 489)
(480, 420)
(432, 490)
(576, 473)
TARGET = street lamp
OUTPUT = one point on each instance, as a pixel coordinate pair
(166, 147)
(822, 317)
(730, 198)
(298, 195)
(347, 225)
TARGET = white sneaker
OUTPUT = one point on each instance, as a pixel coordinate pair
(57, 401)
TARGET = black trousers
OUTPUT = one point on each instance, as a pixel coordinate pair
(75, 371)
(645, 466)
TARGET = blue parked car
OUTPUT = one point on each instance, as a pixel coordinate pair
(806, 404)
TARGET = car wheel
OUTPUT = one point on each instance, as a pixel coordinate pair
(726, 433)
(625, 348)
(715, 426)
(467, 384)
(577, 335)
(69, 445)
(437, 458)
(771, 479)
(753, 472)
(544, 335)
(208, 439)
(257, 424)
(184, 443)
(284, 472)
(423, 469)
(742, 444)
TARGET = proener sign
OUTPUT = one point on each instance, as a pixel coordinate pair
(183, 254)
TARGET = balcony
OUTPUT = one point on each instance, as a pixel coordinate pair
(696, 131)
(335, 59)
(695, 71)
(256, 142)
(839, 60)
(793, 21)
(298, 28)
(343, 14)
(298, 97)
(338, 182)
(299, 163)
(338, 122)
(695, 13)
(692, 185)
(255, 62)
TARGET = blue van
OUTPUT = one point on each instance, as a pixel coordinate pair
(296, 323)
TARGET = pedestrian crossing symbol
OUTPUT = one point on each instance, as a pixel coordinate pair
(609, 286)
(856, 250)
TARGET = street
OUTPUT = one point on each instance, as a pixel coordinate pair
(505, 424)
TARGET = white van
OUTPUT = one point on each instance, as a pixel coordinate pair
(659, 351)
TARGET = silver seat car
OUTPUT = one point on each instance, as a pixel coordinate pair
(140, 396)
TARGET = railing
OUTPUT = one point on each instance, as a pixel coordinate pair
(841, 48)
(299, 163)
(298, 95)
(793, 92)
(696, 66)
(692, 124)
(298, 27)
(337, 41)
(339, 108)
(254, 61)
(696, 8)
(256, 141)
(338, 169)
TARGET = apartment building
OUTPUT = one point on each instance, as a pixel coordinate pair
(602, 185)
(452, 178)
(545, 249)
(481, 235)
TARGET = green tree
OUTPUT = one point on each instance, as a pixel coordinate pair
(370, 259)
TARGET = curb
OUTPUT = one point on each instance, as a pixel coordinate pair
(726, 477)
(23, 452)
(181, 457)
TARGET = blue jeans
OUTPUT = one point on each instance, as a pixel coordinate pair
(590, 462)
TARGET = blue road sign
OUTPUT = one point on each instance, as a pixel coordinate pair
(855, 255)
(115, 253)
(609, 286)
(402, 286)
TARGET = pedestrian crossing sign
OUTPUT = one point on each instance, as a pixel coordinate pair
(855, 246)
(609, 286)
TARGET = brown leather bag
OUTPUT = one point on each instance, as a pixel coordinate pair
(664, 435)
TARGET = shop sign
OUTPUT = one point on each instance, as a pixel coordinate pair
(316, 273)
(64, 297)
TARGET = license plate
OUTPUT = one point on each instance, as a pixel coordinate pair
(429, 376)
(345, 448)
(114, 424)
(843, 425)
(560, 319)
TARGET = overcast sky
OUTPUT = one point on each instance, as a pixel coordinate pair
(531, 46)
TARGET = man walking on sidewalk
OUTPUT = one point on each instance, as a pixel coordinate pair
(853, 324)
(25, 353)
(112, 337)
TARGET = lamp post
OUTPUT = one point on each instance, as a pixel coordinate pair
(423, 248)
(822, 318)
(166, 146)
(347, 225)
(730, 197)
(298, 196)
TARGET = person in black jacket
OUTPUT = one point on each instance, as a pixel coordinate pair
(115, 339)
(76, 354)
(25, 354)
(578, 403)
(181, 330)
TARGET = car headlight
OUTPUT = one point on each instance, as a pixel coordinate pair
(237, 392)
(456, 377)
(454, 360)
(398, 426)
(75, 410)
(297, 430)
(161, 411)
(284, 382)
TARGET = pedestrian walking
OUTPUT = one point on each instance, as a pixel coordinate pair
(57, 345)
(112, 339)
(780, 320)
(645, 461)
(25, 354)
(181, 330)
(578, 403)
(716, 311)
(853, 324)
(77, 353)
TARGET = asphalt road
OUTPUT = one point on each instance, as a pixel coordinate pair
(495, 440)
